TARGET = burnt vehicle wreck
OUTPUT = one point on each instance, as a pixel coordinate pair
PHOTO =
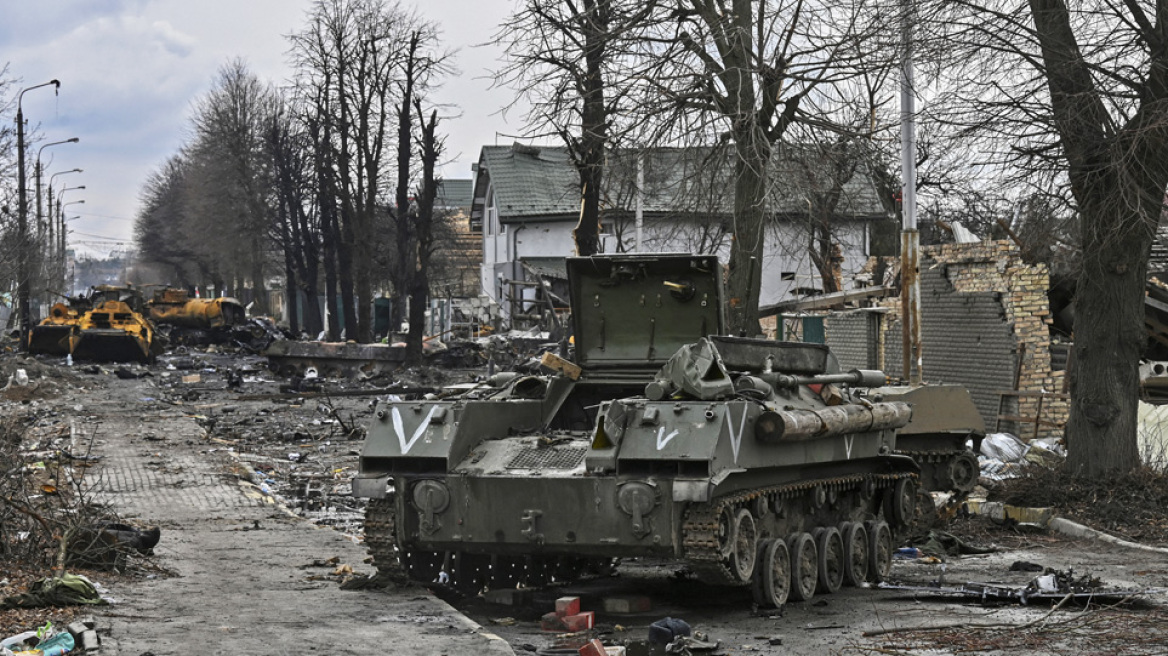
(108, 324)
(753, 462)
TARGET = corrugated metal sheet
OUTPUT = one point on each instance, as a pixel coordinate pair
(966, 340)
(853, 338)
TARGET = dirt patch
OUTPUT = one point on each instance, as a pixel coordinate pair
(1128, 505)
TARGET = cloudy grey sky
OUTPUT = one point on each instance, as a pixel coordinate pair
(131, 69)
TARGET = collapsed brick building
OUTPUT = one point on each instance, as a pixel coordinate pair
(985, 324)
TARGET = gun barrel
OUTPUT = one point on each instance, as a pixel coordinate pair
(799, 425)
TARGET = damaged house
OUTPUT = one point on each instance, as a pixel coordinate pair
(527, 203)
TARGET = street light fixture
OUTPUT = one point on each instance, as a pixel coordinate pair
(45, 247)
(49, 192)
(60, 244)
(22, 293)
(40, 220)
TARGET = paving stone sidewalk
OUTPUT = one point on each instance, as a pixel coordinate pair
(241, 583)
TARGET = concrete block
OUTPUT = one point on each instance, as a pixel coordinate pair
(628, 604)
(509, 597)
(580, 622)
(567, 606)
(89, 641)
(77, 628)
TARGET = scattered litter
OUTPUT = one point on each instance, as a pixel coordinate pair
(18, 379)
(668, 629)
(69, 590)
(1052, 585)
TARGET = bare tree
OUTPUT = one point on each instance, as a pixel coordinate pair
(430, 149)
(8, 176)
(347, 60)
(419, 71)
(297, 225)
(742, 72)
(1082, 89)
(229, 181)
(571, 60)
(158, 225)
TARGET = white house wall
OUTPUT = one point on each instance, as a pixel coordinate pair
(785, 253)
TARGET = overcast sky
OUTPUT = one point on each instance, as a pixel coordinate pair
(131, 69)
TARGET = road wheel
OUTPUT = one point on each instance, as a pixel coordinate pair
(879, 550)
(830, 545)
(804, 566)
(745, 544)
(900, 502)
(964, 472)
(726, 532)
(776, 573)
(855, 540)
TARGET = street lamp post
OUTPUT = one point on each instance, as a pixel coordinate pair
(61, 213)
(45, 247)
(61, 226)
(53, 218)
(40, 217)
(64, 263)
(22, 218)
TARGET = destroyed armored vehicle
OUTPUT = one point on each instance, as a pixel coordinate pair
(753, 462)
(944, 424)
(106, 325)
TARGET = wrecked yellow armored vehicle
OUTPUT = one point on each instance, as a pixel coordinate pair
(176, 308)
(107, 325)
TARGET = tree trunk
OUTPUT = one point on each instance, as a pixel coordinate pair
(329, 237)
(345, 278)
(1110, 337)
(257, 276)
(752, 164)
(593, 128)
(1118, 180)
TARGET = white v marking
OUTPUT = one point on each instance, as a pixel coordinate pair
(663, 439)
(848, 441)
(736, 435)
(399, 428)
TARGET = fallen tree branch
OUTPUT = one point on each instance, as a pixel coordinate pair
(966, 625)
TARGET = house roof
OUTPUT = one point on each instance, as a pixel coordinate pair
(531, 181)
(540, 182)
(455, 193)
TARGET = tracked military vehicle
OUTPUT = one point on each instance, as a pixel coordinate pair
(944, 421)
(754, 462)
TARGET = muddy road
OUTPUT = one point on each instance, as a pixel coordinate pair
(248, 477)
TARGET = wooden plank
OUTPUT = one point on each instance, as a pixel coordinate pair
(823, 301)
(556, 363)
(1058, 396)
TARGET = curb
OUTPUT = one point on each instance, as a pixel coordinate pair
(1046, 518)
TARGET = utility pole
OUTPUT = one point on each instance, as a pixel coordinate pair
(22, 290)
(910, 237)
